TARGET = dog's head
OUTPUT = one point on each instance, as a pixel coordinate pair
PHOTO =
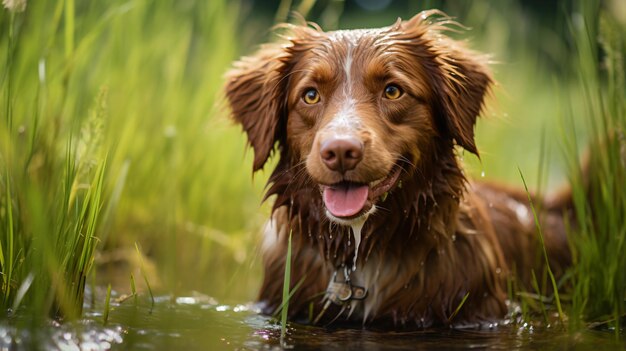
(360, 109)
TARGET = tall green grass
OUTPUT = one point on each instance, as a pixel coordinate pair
(593, 125)
(545, 258)
(114, 134)
(52, 190)
(599, 185)
(285, 301)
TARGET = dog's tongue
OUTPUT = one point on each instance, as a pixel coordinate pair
(345, 200)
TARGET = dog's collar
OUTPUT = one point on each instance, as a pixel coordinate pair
(341, 292)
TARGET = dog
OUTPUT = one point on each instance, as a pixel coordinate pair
(386, 231)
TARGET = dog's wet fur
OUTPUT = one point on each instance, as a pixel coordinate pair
(367, 125)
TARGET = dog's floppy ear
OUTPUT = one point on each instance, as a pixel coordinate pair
(460, 77)
(256, 92)
(465, 82)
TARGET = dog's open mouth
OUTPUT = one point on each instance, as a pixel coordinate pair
(348, 200)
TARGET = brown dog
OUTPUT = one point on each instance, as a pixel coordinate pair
(386, 230)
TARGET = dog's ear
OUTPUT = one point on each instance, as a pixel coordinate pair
(464, 82)
(256, 93)
(460, 77)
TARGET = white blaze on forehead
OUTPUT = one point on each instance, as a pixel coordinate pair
(347, 67)
(346, 119)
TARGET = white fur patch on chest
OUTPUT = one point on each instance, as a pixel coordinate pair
(271, 234)
(367, 275)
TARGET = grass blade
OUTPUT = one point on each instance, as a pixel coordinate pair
(133, 289)
(21, 292)
(285, 303)
(458, 308)
(544, 251)
(145, 276)
(107, 306)
(7, 262)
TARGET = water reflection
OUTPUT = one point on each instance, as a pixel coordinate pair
(201, 323)
(85, 335)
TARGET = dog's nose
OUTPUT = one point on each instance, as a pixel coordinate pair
(341, 154)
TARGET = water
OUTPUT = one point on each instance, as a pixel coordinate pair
(201, 323)
(356, 232)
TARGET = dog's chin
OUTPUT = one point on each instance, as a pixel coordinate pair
(348, 203)
(350, 221)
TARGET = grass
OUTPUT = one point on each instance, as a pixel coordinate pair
(107, 306)
(598, 239)
(555, 288)
(458, 308)
(285, 304)
(115, 133)
(145, 278)
(103, 105)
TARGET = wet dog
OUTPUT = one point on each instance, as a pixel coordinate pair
(386, 230)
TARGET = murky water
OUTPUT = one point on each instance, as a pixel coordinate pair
(201, 323)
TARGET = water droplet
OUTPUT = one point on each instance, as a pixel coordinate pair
(482, 174)
(356, 231)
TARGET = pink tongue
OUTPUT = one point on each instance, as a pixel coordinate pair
(345, 201)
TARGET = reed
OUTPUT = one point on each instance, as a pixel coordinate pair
(285, 304)
(102, 103)
(598, 238)
(107, 306)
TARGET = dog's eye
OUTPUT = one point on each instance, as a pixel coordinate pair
(311, 96)
(392, 92)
